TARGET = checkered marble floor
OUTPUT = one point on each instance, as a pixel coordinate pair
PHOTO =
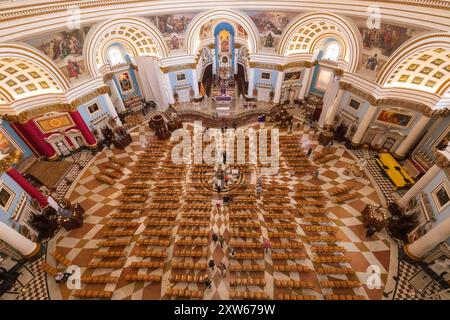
(405, 289)
(100, 200)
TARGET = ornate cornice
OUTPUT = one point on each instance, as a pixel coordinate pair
(58, 107)
(269, 66)
(178, 67)
(416, 106)
(108, 76)
(10, 159)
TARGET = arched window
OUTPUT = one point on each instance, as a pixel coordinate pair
(332, 52)
(115, 56)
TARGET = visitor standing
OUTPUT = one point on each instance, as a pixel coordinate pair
(221, 240)
(215, 237)
(222, 267)
(211, 264)
(266, 245)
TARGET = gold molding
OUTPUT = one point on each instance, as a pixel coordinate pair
(441, 160)
(411, 105)
(178, 67)
(58, 107)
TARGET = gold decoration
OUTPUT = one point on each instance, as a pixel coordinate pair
(441, 160)
(178, 67)
(5, 163)
(59, 107)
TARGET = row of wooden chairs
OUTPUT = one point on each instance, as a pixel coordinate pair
(109, 254)
(245, 234)
(118, 233)
(132, 199)
(242, 207)
(125, 215)
(189, 242)
(168, 215)
(102, 178)
(307, 203)
(198, 198)
(288, 255)
(189, 265)
(331, 259)
(339, 190)
(276, 207)
(286, 296)
(247, 282)
(279, 216)
(199, 193)
(193, 232)
(334, 270)
(92, 294)
(120, 162)
(250, 224)
(282, 234)
(312, 211)
(345, 197)
(153, 242)
(186, 278)
(99, 279)
(249, 268)
(245, 295)
(340, 284)
(113, 243)
(200, 206)
(194, 223)
(328, 229)
(137, 185)
(106, 264)
(323, 153)
(167, 192)
(172, 206)
(327, 158)
(343, 297)
(293, 284)
(147, 264)
(140, 192)
(249, 256)
(165, 198)
(140, 175)
(168, 185)
(159, 223)
(197, 215)
(321, 238)
(327, 249)
(125, 224)
(281, 225)
(130, 206)
(310, 194)
(318, 219)
(235, 215)
(143, 277)
(49, 269)
(184, 293)
(245, 244)
(153, 232)
(290, 268)
(114, 166)
(287, 245)
(152, 254)
(190, 253)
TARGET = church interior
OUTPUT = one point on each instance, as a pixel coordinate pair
(239, 150)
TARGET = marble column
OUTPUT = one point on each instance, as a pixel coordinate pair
(363, 125)
(35, 138)
(412, 137)
(112, 111)
(309, 80)
(28, 187)
(195, 82)
(251, 82)
(169, 90)
(414, 191)
(334, 107)
(419, 248)
(116, 95)
(24, 246)
(87, 134)
(305, 79)
(330, 94)
(278, 87)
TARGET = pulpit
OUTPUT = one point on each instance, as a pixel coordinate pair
(72, 216)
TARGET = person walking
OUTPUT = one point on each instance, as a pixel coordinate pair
(266, 245)
(370, 232)
(218, 205)
(222, 267)
(232, 253)
(207, 282)
(309, 152)
(221, 240)
(215, 237)
(211, 264)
